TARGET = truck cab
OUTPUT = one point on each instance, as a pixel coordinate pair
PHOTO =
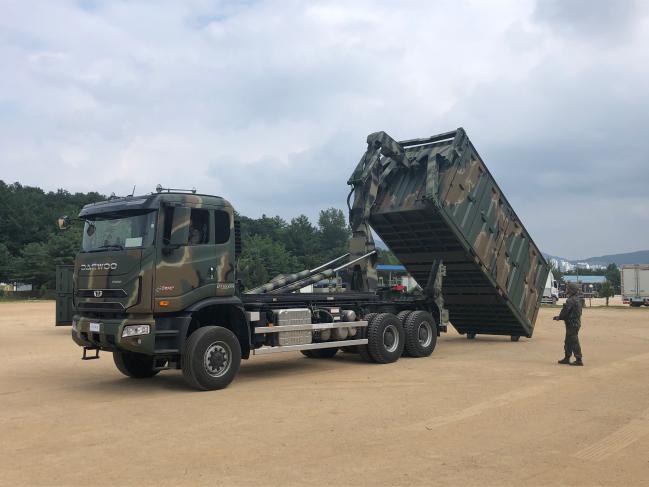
(150, 265)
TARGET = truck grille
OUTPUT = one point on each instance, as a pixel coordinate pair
(102, 293)
(100, 307)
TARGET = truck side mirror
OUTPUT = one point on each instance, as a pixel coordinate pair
(64, 223)
(180, 227)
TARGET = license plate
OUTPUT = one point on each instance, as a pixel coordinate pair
(95, 327)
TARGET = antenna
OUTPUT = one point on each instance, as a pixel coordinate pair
(133, 192)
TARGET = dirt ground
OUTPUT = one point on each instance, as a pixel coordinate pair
(482, 412)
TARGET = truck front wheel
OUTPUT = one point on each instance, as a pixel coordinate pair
(135, 365)
(211, 358)
(362, 349)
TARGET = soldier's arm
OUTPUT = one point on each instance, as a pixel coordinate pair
(566, 310)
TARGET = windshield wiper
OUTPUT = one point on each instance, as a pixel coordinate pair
(108, 247)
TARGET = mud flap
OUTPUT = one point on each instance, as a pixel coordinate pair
(64, 295)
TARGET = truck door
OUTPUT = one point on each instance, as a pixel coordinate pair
(201, 266)
(64, 295)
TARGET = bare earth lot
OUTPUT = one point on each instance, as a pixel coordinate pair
(483, 412)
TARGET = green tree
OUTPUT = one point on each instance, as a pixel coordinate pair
(613, 276)
(28, 232)
(262, 258)
(334, 232)
(301, 239)
(274, 227)
(254, 272)
(35, 266)
(607, 290)
(6, 264)
(63, 246)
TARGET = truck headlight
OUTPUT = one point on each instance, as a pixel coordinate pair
(135, 330)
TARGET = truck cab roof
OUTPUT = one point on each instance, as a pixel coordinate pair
(151, 202)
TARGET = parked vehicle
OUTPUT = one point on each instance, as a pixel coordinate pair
(551, 290)
(635, 283)
(156, 281)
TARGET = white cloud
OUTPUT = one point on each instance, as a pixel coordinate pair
(269, 102)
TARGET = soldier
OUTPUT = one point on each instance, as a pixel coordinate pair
(571, 316)
(194, 236)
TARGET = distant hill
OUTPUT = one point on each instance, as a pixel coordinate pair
(638, 257)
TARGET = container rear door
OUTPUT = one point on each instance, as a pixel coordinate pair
(643, 281)
(64, 295)
(629, 281)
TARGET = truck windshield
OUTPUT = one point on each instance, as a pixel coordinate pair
(118, 231)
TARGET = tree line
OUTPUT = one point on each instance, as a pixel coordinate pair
(612, 285)
(31, 246)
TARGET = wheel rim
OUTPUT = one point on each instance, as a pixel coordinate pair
(217, 359)
(425, 333)
(391, 338)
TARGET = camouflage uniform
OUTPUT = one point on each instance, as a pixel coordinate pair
(571, 316)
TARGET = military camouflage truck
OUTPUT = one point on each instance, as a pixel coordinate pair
(156, 280)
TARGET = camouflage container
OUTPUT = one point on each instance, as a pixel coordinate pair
(442, 205)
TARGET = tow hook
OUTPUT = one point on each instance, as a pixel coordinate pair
(86, 356)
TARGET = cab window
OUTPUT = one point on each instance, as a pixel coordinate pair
(199, 227)
(221, 226)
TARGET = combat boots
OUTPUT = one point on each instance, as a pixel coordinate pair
(565, 360)
(577, 362)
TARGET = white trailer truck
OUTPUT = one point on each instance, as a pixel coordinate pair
(635, 284)
(551, 290)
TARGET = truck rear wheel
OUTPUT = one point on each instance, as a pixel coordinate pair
(403, 315)
(320, 352)
(211, 358)
(362, 349)
(386, 338)
(135, 365)
(421, 334)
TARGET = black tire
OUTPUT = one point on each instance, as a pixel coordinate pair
(362, 349)
(403, 315)
(470, 335)
(421, 334)
(211, 358)
(135, 365)
(320, 352)
(514, 338)
(554, 300)
(386, 338)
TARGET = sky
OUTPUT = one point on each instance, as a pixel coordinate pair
(269, 103)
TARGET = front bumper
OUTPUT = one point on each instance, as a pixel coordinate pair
(109, 336)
